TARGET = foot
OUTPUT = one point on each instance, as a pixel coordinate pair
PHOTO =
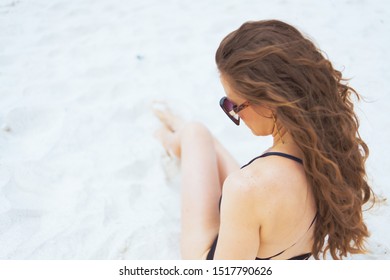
(169, 133)
(167, 118)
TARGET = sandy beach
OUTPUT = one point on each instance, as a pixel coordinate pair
(81, 174)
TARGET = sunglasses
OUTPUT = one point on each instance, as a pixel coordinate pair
(232, 109)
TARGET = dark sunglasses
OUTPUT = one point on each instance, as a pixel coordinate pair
(232, 109)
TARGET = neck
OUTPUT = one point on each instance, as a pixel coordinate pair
(288, 144)
(281, 137)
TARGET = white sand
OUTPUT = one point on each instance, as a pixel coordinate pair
(81, 176)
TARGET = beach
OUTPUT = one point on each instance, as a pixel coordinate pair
(81, 173)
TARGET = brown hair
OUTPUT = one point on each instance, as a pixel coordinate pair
(271, 63)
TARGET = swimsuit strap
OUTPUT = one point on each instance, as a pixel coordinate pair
(312, 222)
(275, 154)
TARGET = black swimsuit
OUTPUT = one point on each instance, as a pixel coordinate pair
(211, 253)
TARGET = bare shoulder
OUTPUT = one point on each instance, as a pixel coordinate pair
(267, 183)
(275, 173)
(246, 188)
(238, 189)
(266, 172)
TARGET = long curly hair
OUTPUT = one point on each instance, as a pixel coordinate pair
(270, 63)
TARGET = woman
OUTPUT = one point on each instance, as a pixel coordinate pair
(304, 195)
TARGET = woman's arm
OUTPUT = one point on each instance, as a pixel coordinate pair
(239, 226)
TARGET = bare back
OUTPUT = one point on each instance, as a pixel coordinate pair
(271, 203)
(290, 208)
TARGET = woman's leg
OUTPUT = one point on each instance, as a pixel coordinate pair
(204, 164)
(200, 192)
(226, 162)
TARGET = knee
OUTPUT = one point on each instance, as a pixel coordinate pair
(196, 129)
